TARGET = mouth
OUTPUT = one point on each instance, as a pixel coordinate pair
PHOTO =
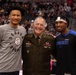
(58, 28)
(38, 29)
(15, 20)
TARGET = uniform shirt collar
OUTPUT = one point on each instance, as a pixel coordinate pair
(38, 36)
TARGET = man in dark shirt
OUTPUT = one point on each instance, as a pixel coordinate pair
(65, 47)
(36, 51)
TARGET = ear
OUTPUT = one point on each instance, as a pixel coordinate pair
(66, 24)
(46, 25)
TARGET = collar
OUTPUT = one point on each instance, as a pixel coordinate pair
(38, 36)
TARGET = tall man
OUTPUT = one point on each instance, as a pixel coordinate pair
(36, 50)
(65, 47)
(11, 37)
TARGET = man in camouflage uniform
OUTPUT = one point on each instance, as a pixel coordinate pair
(36, 50)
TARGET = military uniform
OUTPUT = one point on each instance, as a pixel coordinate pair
(36, 56)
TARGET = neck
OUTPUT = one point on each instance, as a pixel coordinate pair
(13, 25)
(65, 31)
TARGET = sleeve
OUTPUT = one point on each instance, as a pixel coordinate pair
(74, 65)
(54, 52)
(24, 49)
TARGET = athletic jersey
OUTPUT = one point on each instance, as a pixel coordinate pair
(66, 52)
(10, 47)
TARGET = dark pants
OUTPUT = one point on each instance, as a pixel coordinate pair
(9, 73)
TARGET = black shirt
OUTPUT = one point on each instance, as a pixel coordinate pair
(66, 52)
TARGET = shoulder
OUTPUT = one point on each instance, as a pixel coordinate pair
(21, 27)
(58, 35)
(72, 32)
(29, 35)
(48, 35)
(3, 27)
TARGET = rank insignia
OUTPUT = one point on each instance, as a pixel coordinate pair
(47, 45)
(28, 44)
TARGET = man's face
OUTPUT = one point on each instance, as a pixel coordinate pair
(60, 26)
(15, 17)
(39, 26)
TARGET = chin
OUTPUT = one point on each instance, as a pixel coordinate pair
(15, 24)
(59, 31)
(37, 33)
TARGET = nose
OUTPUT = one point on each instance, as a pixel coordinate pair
(16, 16)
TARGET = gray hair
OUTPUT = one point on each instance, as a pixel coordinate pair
(45, 24)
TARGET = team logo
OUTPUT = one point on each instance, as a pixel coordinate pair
(17, 41)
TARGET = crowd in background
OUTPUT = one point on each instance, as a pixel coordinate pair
(49, 10)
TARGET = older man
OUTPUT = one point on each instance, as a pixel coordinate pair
(37, 48)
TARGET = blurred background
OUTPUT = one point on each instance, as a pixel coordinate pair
(49, 9)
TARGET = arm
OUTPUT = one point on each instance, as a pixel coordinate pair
(54, 52)
(23, 48)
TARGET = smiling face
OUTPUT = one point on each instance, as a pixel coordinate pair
(15, 18)
(60, 26)
(39, 26)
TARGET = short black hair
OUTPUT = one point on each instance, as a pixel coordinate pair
(16, 8)
(62, 17)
